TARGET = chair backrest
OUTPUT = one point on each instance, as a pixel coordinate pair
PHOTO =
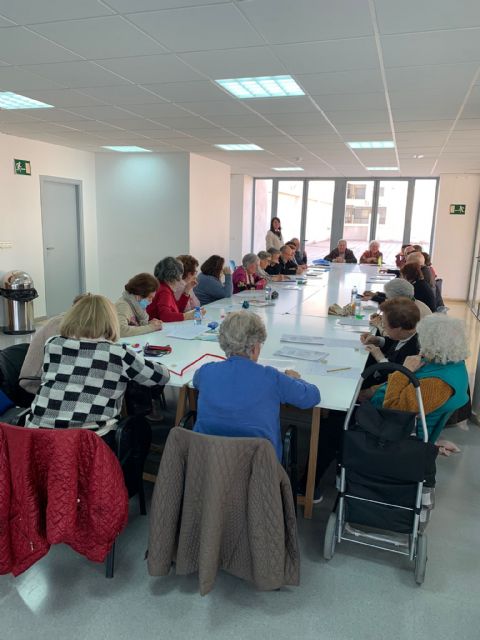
(223, 502)
(67, 487)
(11, 361)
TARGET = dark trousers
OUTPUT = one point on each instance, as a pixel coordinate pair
(132, 450)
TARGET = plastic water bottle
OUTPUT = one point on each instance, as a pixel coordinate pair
(197, 316)
(358, 308)
(379, 261)
(268, 293)
(354, 294)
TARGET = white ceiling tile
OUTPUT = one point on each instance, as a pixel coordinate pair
(468, 124)
(62, 98)
(76, 74)
(160, 133)
(217, 107)
(189, 91)
(437, 111)
(90, 125)
(421, 98)
(20, 46)
(410, 15)
(56, 115)
(246, 120)
(422, 139)
(472, 107)
(358, 130)
(433, 47)
(305, 129)
(377, 157)
(129, 6)
(97, 38)
(252, 132)
(335, 55)
(20, 80)
(282, 21)
(360, 80)
(16, 116)
(151, 69)
(46, 10)
(351, 101)
(423, 125)
(293, 104)
(100, 112)
(124, 94)
(378, 117)
(454, 78)
(186, 123)
(199, 28)
(315, 119)
(235, 63)
(4, 22)
(157, 110)
(131, 122)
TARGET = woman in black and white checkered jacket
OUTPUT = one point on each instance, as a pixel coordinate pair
(85, 373)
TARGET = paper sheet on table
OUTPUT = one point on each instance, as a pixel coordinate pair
(325, 342)
(353, 322)
(300, 354)
(186, 330)
(318, 369)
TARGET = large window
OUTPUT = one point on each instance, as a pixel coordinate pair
(319, 218)
(422, 212)
(372, 209)
(391, 211)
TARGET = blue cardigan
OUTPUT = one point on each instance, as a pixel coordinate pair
(240, 398)
(210, 288)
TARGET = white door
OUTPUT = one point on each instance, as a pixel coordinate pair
(61, 243)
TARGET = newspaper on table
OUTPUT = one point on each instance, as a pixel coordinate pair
(186, 330)
(301, 354)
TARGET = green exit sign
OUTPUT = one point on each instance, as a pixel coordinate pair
(22, 167)
(458, 209)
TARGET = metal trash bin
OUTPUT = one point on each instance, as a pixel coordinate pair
(18, 295)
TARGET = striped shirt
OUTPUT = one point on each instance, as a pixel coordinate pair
(83, 383)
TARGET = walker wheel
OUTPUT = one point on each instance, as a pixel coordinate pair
(330, 537)
(420, 559)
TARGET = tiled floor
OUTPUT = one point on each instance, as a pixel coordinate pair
(361, 594)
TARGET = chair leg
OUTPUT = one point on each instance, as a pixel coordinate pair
(109, 562)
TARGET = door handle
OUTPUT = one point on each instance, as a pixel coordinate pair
(50, 248)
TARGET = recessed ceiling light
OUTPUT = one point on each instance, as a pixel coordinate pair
(238, 147)
(262, 87)
(126, 149)
(9, 100)
(382, 168)
(374, 144)
(418, 156)
(287, 168)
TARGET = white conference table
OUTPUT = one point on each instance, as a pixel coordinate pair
(300, 310)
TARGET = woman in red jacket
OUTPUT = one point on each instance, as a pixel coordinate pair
(165, 306)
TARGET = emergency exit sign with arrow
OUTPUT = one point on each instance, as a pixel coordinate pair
(458, 209)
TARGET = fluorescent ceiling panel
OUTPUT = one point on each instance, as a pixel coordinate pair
(128, 149)
(239, 147)
(374, 144)
(262, 87)
(382, 168)
(287, 168)
(10, 100)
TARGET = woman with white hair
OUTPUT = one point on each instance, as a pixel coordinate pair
(241, 398)
(164, 306)
(440, 367)
(246, 276)
(373, 255)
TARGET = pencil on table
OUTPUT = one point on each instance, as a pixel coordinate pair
(341, 369)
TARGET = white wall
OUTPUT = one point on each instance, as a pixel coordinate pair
(142, 211)
(20, 211)
(241, 193)
(209, 208)
(455, 234)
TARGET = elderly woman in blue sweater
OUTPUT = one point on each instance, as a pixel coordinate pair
(209, 286)
(241, 398)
